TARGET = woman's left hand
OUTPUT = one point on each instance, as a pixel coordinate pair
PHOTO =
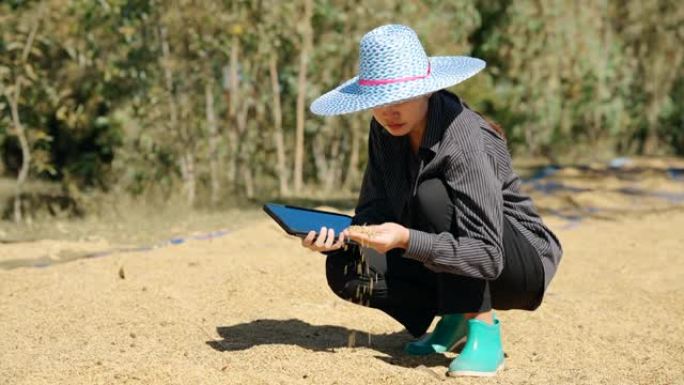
(382, 238)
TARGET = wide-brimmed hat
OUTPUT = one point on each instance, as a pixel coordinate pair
(393, 67)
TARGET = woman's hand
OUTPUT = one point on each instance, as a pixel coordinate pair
(324, 242)
(382, 238)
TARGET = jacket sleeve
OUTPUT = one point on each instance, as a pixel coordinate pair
(476, 249)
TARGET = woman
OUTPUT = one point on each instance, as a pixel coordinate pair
(448, 231)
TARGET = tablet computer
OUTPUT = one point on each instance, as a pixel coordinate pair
(299, 220)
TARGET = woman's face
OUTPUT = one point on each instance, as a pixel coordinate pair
(402, 118)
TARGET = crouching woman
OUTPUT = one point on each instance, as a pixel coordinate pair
(447, 230)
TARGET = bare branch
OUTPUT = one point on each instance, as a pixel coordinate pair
(31, 37)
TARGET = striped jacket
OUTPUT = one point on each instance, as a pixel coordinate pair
(463, 150)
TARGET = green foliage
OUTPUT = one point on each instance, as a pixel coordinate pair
(114, 92)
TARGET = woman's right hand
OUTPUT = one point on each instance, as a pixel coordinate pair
(324, 242)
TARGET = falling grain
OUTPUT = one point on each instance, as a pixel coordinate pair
(351, 340)
(363, 230)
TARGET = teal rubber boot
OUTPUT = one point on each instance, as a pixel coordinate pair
(449, 332)
(482, 354)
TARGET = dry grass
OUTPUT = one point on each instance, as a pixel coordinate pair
(253, 307)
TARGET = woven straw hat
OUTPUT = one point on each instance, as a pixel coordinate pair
(393, 67)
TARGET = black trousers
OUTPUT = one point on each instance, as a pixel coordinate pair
(413, 295)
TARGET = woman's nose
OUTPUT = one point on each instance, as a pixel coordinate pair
(389, 112)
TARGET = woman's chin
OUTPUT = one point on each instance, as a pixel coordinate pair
(398, 131)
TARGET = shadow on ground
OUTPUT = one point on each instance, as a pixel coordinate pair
(319, 338)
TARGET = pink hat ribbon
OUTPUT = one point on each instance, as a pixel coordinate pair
(378, 82)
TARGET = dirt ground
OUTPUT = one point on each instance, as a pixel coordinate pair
(252, 307)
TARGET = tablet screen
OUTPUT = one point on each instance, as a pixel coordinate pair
(299, 220)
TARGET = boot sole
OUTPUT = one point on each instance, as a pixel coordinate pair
(470, 373)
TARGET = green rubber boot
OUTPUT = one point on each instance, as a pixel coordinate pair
(449, 332)
(482, 354)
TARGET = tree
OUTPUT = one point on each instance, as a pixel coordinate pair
(305, 48)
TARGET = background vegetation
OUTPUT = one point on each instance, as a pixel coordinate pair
(209, 99)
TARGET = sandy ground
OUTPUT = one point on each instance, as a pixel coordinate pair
(253, 307)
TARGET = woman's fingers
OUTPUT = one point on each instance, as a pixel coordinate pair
(331, 238)
(340, 241)
(320, 241)
(357, 237)
(308, 240)
(324, 241)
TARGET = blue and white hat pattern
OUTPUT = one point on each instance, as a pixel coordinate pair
(393, 66)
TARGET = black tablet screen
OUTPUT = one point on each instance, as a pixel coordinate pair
(299, 221)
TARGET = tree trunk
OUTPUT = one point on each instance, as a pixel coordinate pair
(168, 77)
(25, 149)
(318, 149)
(187, 164)
(326, 147)
(353, 168)
(249, 180)
(233, 80)
(213, 137)
(243, 150)
(232, 95)
(183, 150)
(334, 162)
(188, 160)
(307, 42)
(18, 129)
(278, 126)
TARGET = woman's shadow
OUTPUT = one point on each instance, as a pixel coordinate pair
(320, 338)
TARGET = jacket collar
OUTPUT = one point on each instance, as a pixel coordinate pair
(443, 108)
